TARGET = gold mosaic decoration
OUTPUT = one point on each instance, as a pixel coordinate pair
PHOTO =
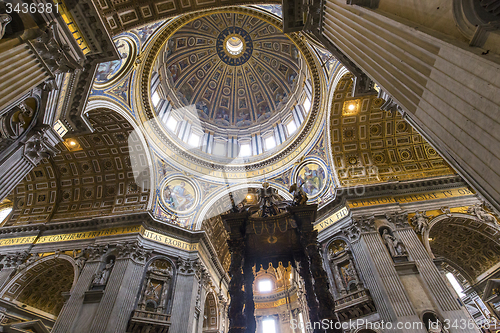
(370, 145)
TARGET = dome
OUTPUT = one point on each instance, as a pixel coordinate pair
(235, 81)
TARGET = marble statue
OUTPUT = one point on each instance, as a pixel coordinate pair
(396, 247)
(107, 271)
(97, 279)
(101, 277)
(480, 213)
(420, 221)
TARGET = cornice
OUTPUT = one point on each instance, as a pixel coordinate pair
(392, 188)
(145, 219)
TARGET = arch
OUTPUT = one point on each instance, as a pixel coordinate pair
(225, 193)
(97, 104)
(264, 274)
(341, 71)
(211, 314)
(93, 175)
(470, 15)
(41, 284)
(363, 136)
(466, 243)
(430, 317)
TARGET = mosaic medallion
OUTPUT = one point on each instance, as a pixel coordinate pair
(179, 195)
(312, 177)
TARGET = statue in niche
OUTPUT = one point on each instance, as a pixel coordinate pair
(420, 221)
(97, 279)
(107, 271)
(102, 276)
(348, 274)
(152, 290)
(395, 246)
(480, 213)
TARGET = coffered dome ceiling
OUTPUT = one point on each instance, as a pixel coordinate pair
(229, 91)
(236, 69)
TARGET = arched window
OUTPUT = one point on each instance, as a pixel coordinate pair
(430, 320)
(458, 288)
(265, 285)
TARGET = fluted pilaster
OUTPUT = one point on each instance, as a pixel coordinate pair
(70, 312)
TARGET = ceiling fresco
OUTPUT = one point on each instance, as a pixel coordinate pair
(231, 90)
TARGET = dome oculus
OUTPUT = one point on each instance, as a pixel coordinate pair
(234, 46)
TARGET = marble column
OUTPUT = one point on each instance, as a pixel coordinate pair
(186, 287)
(20, 71)
(122, 288)
(376, 266)
(449, 306)
(75, 316)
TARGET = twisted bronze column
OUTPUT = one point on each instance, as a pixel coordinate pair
(249, 304)
(326, 304)
(237, 320)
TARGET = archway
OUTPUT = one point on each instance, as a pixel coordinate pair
(371, 144)
(102, 173)
(210, 316)
(41, 286)
(467, 244)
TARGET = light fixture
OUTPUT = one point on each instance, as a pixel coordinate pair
(351, 107)
(429, 239)
(72, 143)
(249, 197)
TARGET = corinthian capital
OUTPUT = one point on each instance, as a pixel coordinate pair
(134, 251)
(365, 223)
(55, 53)
(351, 232)
(38, 146)
(400, 219)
